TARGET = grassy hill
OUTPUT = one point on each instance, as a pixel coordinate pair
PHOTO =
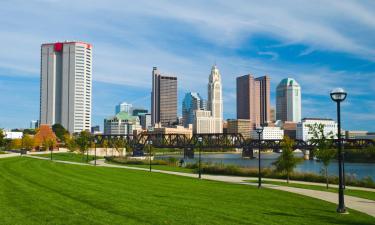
(36, 191)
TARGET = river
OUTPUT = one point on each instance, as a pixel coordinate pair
(358, 170)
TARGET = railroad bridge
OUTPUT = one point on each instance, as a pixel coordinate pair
(213, 141)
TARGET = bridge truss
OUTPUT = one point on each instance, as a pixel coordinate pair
(211, 141)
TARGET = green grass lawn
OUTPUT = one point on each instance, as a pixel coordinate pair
(1, 152)
(34, 191)
(69, 156)
(357, 193)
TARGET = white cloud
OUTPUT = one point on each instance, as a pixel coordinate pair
(130, 37)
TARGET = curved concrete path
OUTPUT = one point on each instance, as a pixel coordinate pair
(359, 204)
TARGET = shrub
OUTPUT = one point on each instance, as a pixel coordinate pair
(126, 161)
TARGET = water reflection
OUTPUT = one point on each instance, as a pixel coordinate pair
(358, 170)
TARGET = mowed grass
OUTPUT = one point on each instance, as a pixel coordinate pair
(69, 156)
(356, 193)
(34, 191)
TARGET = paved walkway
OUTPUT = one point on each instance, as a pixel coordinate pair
(359, 204)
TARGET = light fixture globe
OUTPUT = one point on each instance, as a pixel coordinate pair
(150, 142)
(338, 94)
(259, 129)
(200, 139)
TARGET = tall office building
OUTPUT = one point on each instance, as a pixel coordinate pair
(124, 107)
(215, 98)
(253, 99)
(192, 101)
(66, 85)
(163, 99)
(34, 124)
(288, 101)
(139, 111)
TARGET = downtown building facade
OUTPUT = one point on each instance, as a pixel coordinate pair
(211, 120)
(66, 85)
(302, 132)
(253, 99)
(192, 102)
(124, 107)
(163, 99)
(121, 123)
(239, 126)
(269, 133)
(288, 101)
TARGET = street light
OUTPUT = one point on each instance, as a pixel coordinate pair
(95, 142)
(199, 158)
(259, 130)
(149, 151)
(51, 149)
(338, 95)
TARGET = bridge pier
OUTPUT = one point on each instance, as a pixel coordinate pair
(306, 154)
(247, 152)
(189, 152)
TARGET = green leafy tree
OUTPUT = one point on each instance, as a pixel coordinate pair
(286, 162)
(323, 150)
(29, 131)
(2, 138)
(60, 131)
(83, 141)
(70, 143)
(28, 142)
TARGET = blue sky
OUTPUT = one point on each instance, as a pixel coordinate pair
(322, 44)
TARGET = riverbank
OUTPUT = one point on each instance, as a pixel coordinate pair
(172, 164)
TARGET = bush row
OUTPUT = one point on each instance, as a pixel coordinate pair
(124, 160)
(220, 169)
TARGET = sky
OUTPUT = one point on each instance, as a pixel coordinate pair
(321, 44)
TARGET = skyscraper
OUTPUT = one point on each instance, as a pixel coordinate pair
(124, 107)
(66, 85)
(163, 99)
(215, 98)
(288, 101)
(253, 99)
(192, 101)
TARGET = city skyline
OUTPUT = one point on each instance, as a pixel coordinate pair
(317, 60)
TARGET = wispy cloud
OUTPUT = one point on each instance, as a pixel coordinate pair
(186, 39)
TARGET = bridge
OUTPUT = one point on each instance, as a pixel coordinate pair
(212, 141)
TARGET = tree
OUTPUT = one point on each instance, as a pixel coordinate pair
(287, 161)
(70, 143)
(323, 142)
(60, 131)
(105, 146)
(49, 144)
(2, 138)
(15, 144)
(83, 141)
(119, 145)
(29, 131)
(28, 142)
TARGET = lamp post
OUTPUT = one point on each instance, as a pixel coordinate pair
(51, 149)
(259, 130)
(149, 152)
(199, 157)
(338, 95)
(95, 142)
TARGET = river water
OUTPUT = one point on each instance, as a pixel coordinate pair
(358, 170)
